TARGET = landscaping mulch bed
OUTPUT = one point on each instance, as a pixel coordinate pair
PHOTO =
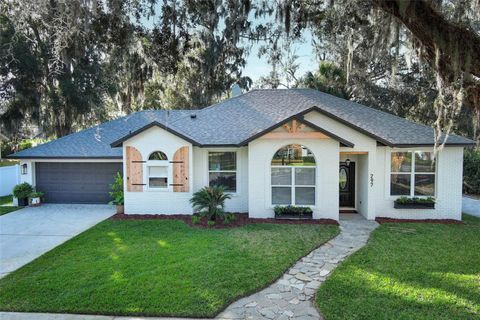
(440, 221)
(241, 220)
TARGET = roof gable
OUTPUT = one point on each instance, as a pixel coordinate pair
(291, 121)
(119, 142)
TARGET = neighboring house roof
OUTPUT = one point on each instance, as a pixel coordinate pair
(237, 121)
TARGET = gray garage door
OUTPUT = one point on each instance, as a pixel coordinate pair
(75, 182)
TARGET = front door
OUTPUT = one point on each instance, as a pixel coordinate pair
(347, 184)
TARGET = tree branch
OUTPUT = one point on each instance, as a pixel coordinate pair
(433, 31)
(458, 46)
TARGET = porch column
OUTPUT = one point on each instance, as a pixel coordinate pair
(373, 182)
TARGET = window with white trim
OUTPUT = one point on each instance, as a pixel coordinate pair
(222, 170)
(412, 173)
(157, 170)
(293, 170)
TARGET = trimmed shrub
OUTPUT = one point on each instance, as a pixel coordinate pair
(292, 210)
(414, 200)
(22, 190)
(471, 171)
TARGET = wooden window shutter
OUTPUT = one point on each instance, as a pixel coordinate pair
(134, 170)
(181, 170)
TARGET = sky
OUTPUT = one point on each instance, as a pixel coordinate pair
(257, 67)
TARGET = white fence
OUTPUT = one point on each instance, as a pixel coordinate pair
(9, 177)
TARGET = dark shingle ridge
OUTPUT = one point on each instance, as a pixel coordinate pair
(235, 120)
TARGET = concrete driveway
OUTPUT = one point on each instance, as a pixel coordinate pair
(30, 232)
(471, 206)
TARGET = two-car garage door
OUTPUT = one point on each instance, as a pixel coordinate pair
(76, 182)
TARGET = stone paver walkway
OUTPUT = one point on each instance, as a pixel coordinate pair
(290, 297)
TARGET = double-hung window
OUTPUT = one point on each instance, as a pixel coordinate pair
(412, 173)
(293, 176)
(157, 169)
(222, 170)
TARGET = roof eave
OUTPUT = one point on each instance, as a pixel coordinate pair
(220, 145)
(342, 141)
(462, 144)
(119, 142)
(12, 156)
(349, 124)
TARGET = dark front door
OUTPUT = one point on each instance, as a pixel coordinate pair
(347, 184)
(76, 182)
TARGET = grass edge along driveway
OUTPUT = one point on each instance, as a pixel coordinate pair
(158, 268)
(5, 205)
(409, 271)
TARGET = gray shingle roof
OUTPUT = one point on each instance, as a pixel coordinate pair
(237, 120)
(95, 142)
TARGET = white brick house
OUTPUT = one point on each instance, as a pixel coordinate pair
(268, 147)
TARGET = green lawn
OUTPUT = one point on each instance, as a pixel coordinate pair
(6, 200)
(409, 271)
(5, 210)
(6, 163)
(158, 267)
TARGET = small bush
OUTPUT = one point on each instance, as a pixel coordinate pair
(36, 194)
(210, 201)
(117, 190)
(414, 200)
(210, 223)
(196, 219)
(22, 190)
(228, 218)
(292, 210)
(471, 171)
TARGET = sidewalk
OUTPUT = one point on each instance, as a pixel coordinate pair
(471, 206)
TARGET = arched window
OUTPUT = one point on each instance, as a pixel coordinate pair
(158, 170)
(157, 155)
(293, 176)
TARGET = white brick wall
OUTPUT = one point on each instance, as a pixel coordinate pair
(260, 153)
(239, 200)
(448, 187)
(157, 201)
(169, 202)
(363, 144)
(362, 185)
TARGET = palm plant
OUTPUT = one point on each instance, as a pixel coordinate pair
(210, 201)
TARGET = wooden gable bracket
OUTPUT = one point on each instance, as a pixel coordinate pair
(294, 126)
(295, 129)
